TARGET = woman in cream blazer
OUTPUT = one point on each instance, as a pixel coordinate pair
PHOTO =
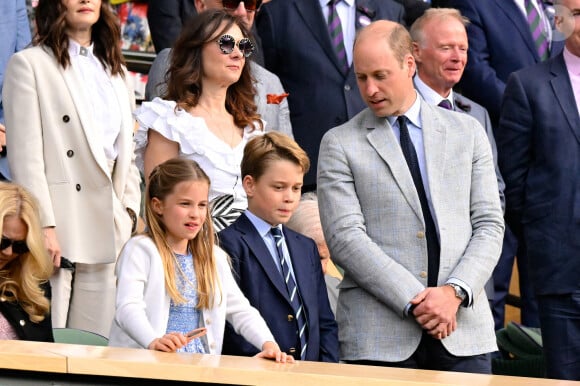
(71, 145)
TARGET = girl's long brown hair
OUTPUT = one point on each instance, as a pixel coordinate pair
(162, 182)
(185, 71)
(106, 34)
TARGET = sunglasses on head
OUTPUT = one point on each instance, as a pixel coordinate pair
(18, 246)
(250, 5)
(227, 44)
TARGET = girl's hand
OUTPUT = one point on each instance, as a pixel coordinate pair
(271, 350)
(170, 342)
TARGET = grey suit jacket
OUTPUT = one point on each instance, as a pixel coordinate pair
(372, 220)
(276, 116)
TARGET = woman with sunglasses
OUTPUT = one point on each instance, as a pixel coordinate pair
(24, 269)
(208, 113)
(68, 107)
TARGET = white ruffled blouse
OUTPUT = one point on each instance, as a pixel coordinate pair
(219, 161)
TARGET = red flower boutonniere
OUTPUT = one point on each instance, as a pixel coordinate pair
(275, 99)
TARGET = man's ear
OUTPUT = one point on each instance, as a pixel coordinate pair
(416, 52)
(249, 185)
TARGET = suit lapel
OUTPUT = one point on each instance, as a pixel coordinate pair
(564, 95)
(258, 248)
(311, 13)
(434, 141)
(84, 112)
(515, 14)
(383, 140)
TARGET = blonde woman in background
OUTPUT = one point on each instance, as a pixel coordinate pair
(24, 269)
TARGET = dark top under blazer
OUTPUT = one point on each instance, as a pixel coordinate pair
(263, 285)
(24, 328)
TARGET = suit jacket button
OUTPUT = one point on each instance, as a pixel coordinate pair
(420, 234)
(291, 350)
(423, 274)
(22, 322)
(70, 153)
(290, 318)
(347, 87)
(65, 118)
(78, 187)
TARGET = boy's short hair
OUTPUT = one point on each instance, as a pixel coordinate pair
(272, 146)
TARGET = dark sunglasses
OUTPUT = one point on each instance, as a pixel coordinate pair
(250, 5)
(18, 246)
(227, 44)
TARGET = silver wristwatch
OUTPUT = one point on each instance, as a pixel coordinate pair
(459, 292)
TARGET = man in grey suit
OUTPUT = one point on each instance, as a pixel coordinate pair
(410, 210)
(274, 111)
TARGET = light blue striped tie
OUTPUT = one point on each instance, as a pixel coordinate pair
(335, 30)
(293, 292)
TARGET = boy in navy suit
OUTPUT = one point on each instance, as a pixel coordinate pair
(278, 269)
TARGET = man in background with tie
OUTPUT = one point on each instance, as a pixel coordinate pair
(440, 49)
(409, 207)
(308, 44)
(538, 142)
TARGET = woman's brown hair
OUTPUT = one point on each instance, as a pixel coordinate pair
(185, 72)
(106, 34)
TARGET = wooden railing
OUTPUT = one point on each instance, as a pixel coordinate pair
(92, 362)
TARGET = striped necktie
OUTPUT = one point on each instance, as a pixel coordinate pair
(335, 30)
(537, 29)
(292, 292)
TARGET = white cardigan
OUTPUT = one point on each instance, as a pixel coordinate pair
(142, 306)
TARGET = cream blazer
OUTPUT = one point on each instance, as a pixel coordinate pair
(55, 154)
(142, 305)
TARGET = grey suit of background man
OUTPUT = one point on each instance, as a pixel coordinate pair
(375, 224)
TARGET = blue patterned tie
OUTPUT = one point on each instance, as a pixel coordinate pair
(292, 291)
(335, 29)
(537, 28)
(433, 247)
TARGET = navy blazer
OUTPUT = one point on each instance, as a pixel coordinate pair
(297, 48)
(538, 141)
(21, 323)
(263, 285)
(500, 42)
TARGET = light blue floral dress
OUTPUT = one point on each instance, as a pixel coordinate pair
(185, 317)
